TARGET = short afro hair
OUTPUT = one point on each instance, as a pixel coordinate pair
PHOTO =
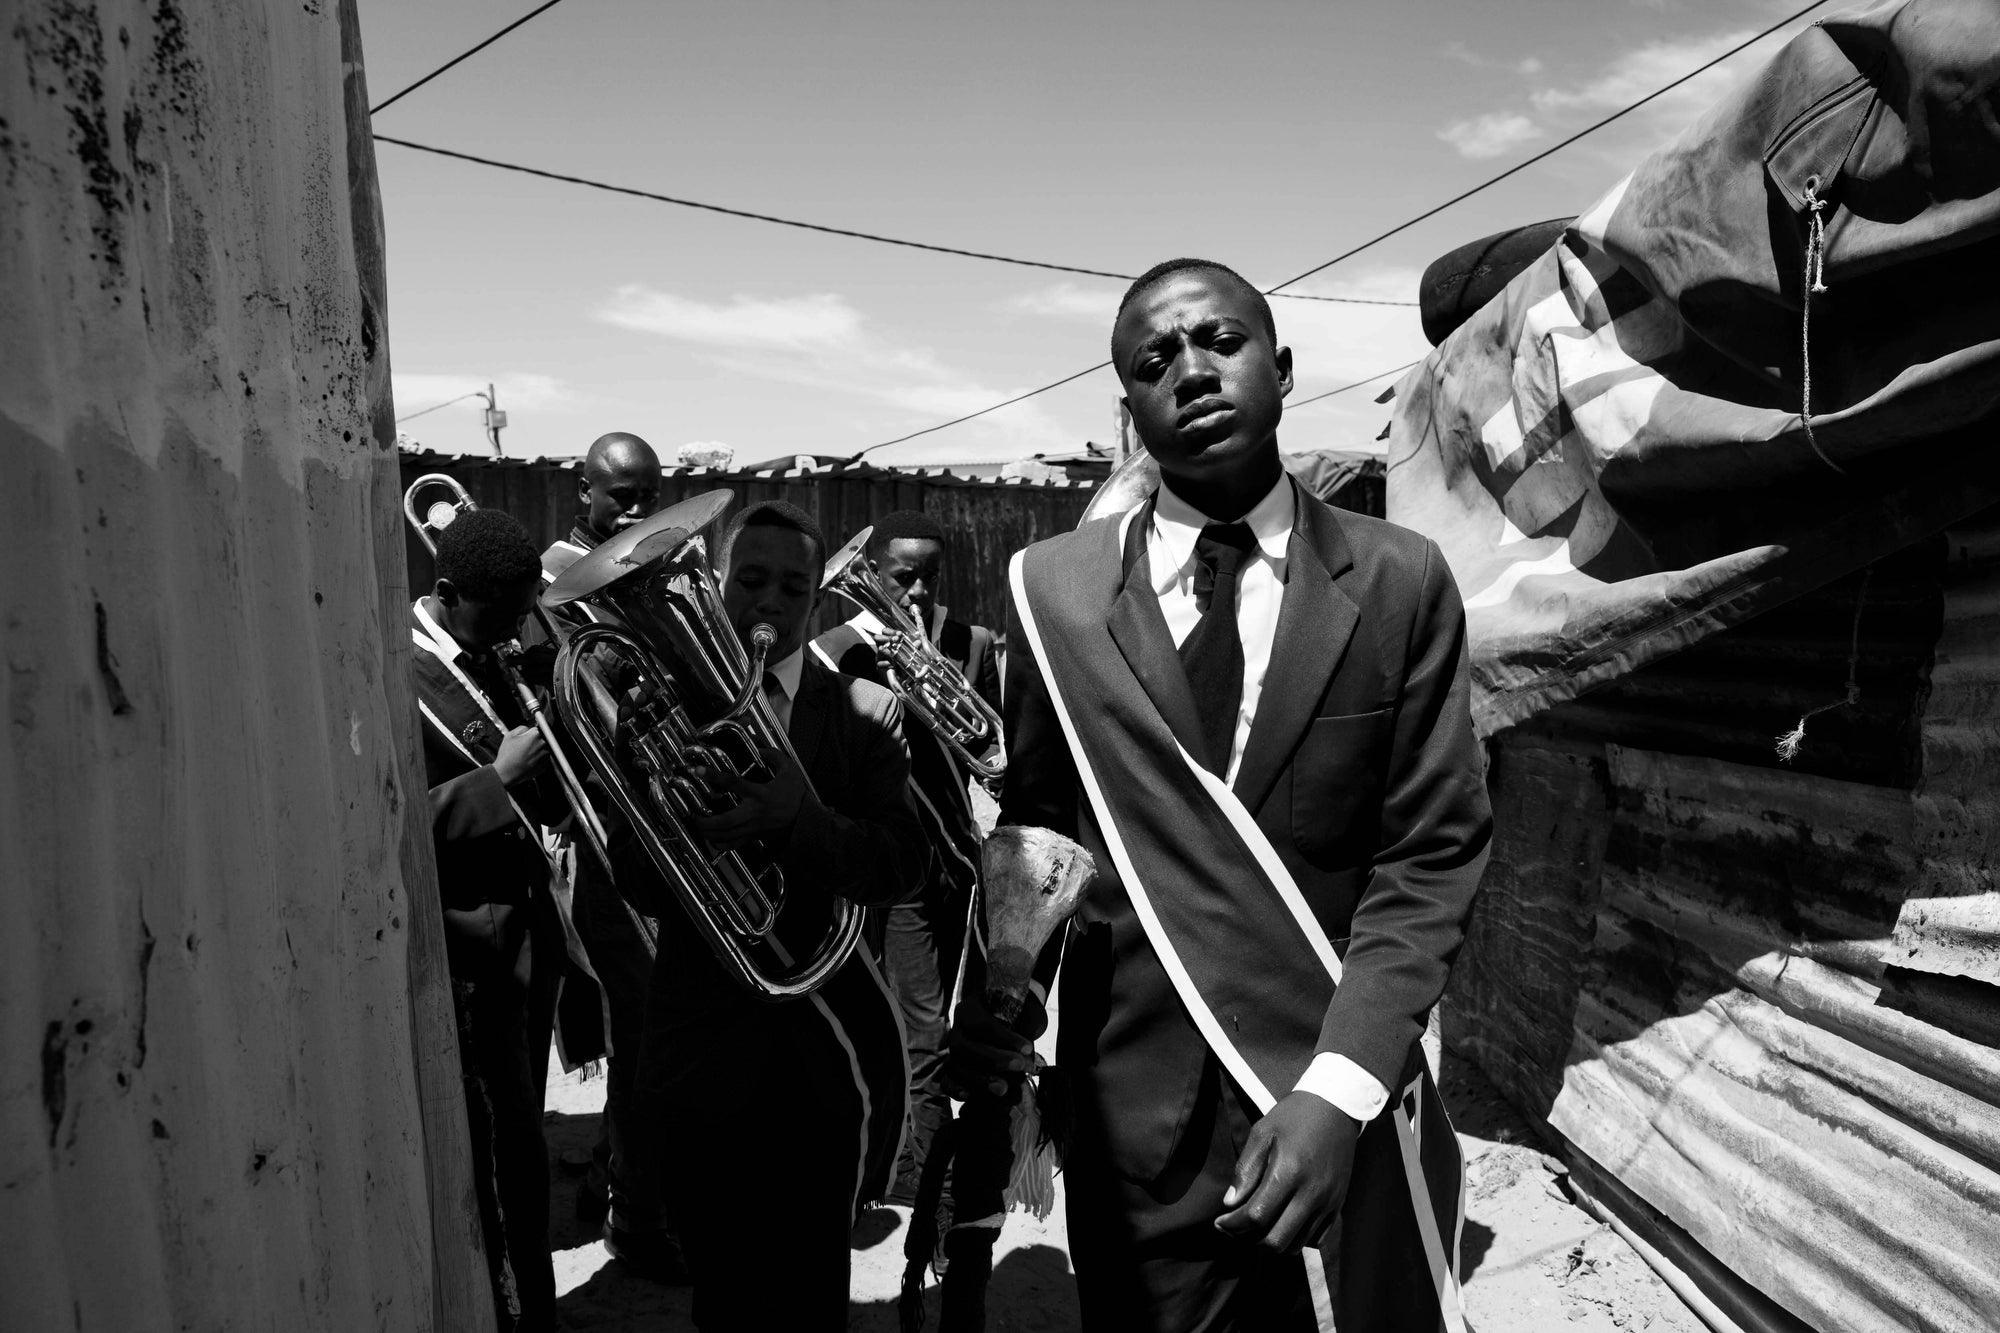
(485, 553)
(774, 514)
(904, 525)
(1167, 268)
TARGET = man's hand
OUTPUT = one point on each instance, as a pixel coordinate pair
(982, 1053)
(522, 754)
(1292, 1176)
(761, 809)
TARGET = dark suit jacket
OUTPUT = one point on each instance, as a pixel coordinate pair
(860, 841)
(1362, 771)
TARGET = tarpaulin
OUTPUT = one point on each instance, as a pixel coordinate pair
(1657, 430)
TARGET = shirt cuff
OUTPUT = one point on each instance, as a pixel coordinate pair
(1345, 1085)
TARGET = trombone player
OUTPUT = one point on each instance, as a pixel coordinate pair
(490, 791)
(923, 941)
(781, 1119)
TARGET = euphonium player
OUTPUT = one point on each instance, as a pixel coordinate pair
(489, 793)
(924, 940)
(618, 485)
(782, 1118)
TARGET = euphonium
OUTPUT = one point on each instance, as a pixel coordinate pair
(930, 684)
(687, 695)
(434, 519)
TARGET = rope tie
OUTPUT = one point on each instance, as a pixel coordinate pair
(1815, 282)
(1789, 743)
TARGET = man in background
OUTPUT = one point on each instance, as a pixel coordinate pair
(924, 941)
(618, 486)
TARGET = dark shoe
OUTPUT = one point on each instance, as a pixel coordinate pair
(653, 1255)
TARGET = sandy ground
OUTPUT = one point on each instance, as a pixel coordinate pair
(1533, 1261)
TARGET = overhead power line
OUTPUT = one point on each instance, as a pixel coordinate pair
(434, 407)
(945, 425)
(727, 211)
(1428, 213)
(1546, 152)
(1347, 388)
(460, 57)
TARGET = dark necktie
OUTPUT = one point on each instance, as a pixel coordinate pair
(1212, 653)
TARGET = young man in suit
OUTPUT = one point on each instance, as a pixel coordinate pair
(1253, 710)
(923, 941)
(618, 486)
(780, 1119)
(490, 794)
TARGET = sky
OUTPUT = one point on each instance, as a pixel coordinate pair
(1106, 135)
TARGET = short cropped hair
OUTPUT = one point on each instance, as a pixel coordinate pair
(904, 525)
(1167, 268)
(485, 553)
(773, 514)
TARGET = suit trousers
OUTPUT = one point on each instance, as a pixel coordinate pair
(1147, 1253)
(504, 1056)
(920, 953)
(761, 1190)
(625, 1160)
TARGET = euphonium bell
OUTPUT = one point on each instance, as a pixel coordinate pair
(660, 684)
(931, 686)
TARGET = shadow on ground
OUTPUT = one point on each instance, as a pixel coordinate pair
(1031, 1291)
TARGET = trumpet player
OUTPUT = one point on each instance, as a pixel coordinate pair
(489, 793)
(618, 486)
(780, 1119)
(923, 940)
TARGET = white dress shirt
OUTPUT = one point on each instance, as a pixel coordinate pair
(1260, 594)
(787, 674)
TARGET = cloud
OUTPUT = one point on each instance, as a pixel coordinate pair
(1491, 134)
(800, 322)
(1069, 300)
(1620, 82)
(822, 342)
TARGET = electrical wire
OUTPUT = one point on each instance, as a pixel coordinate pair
(434, 407)
(808, 226)
(1546, 152)
(1345, 388)
(1428, 213)
(461, 56)
(946, 425)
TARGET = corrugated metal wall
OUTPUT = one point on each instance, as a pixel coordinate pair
(985, 521)
(213, 986)
(1764, 996)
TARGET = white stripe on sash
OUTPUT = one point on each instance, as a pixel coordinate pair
(1114, 842)
(1410, 1138)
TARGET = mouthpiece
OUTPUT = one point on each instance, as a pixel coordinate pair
(763, 638)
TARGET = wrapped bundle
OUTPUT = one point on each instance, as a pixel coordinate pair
(1033, 880)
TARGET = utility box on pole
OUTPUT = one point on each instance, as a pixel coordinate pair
(496, 420)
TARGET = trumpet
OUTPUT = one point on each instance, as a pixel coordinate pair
(699, 703)
(930, 684)
(433, 520)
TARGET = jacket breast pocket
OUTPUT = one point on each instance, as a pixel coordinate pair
(1337, 781)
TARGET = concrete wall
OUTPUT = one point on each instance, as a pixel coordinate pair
(225, 1098)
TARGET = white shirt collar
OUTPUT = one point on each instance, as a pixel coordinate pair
(788, 673)
(1177, 524)
(447, 649)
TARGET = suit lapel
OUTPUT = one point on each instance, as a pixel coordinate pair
(809, 711)
(1141, 633)
(1315, 621)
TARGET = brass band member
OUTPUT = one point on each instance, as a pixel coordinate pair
(1252, 710)
(782, 1118)
(618, 486)
(489, 793)
(924, 940)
